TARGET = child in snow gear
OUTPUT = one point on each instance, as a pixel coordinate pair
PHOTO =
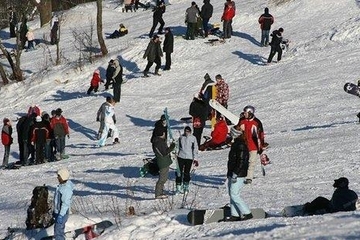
(40, 135)
(95, 82)
(60, 128)
(342, 200)
(206, 92)
(6, 140)
(119, 33)
(39, 212)
(187, 156)
(276, 40)
(153, 54)
(198, 111)
(109, 124)
(265, 21)
(62, 202)
(218, 135)
(100, 116)
(168, 47)
(237, 166)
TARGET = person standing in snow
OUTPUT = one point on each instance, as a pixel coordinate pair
(61, 129)
(6, 140)
(191, 16)
(254, 134)
(168, 47)
(109, 74)
(206, 14)
(100, 116)
(237, 168)
(95, 82)
(30, 39)
(276, 40)
(160, 126)
(13, 21)
(54, 30)
(117, 80)
(265, 21)
(40, 134)
(198, 111)
(206, 92)
(153, 54)
(222, 91)
(109, 124)
(163, 160)
(228, 15)
(158, 18)
(62, 203)
(186, 157)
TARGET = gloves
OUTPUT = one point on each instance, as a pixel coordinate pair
(98, 119)
(60, 219)
(196, 163)
(68, 136)
(55, 215)
(233, 178)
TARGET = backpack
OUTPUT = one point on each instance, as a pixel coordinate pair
(39, 214)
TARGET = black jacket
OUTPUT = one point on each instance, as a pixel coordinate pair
(159, 127)
(276, 38)
(168, 42)
(343, 199)
(206, 10)
(198, 109)
(158, 12)
(238, 162)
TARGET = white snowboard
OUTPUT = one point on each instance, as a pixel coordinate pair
(220, 108)
(293, 211)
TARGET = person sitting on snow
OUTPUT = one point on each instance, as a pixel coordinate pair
(218, 135)
(119, 33)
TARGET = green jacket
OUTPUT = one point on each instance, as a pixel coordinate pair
(162, 152)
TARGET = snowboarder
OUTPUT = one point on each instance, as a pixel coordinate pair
(13, 22)
(265, 21)
(61, 129)
(109, 124)
(54, 30)
(62, 202)
(117, 80)
(237, 167)
(6, 140)
(168, 48)
(95, 82)
(40, 134)
(206, 14)
(343, 199)
(191, 15)
(162, 153)
(187, 156)
(198, 111)
(218, 135)
(228, 15)
(153, 54)
(276, 40)
(109, 74)
(160, 125)
(158, 18)
(254, 133)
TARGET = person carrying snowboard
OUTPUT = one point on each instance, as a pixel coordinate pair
(187, 156)
(237, 168)
(95, 82)
(6, 140)
(265, 21)
(153, 54)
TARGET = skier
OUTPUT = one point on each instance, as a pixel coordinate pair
(187, 156)
(218, 135)
(158, 18)
(100, 116)
(62, 203)
(343, 199)
(254, 133)
(198, 111)
(117, 80)
(6, 140)
(160, 126)
(163, 159)
(54, 30)
(109, 74)
(237, 167)
(61, 129)
(228, 15)
(95, 82)
(265, 21)
(276, 40)
(206, 14)
(40, 134)
(109, 123)
(191, 15)
(13, 22)
(153, 54)
(168, 47)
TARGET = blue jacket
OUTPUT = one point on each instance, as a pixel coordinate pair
(63, 198)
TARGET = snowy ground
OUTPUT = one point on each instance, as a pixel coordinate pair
(309, 121)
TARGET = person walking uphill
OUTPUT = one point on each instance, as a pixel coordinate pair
(275, 45)
(265, 21)
(117, 80)
(62, 203)
(163, 159)
(6, 140)
(168, 47)
(191, 16)
(153, 54)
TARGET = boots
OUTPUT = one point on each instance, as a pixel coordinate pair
(157, 72)
(146, 74)
(179, 189)
(186, 187)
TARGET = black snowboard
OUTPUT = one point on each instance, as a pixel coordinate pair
(197, 217)
(352, 88)
(97, 228)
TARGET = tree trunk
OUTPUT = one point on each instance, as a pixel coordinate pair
(45, 8)
(101, 41)
(3, 75)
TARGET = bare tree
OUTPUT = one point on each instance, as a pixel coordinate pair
(101, 41)
(45, 8)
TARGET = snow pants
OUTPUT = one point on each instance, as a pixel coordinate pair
(163, 177)
(253, 159)
(185, 167)
(6, 155)
(59, 229)
(237, 204)
(104, 134)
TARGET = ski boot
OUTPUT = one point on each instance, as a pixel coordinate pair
(179, 189)
(186, 187)
(157, 72)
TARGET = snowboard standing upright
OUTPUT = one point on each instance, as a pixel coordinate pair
(352, 89)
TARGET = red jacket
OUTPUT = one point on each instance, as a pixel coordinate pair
(228, 14)
(95, 81)
(60, 126)
(220, 132)
(254, 133)
(6, 138)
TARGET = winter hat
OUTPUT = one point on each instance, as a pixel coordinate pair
(163, 118)
(187, 129)
(193, 3)
(155, 37)
(58, 112)
(342, 182)
(235, 133)
(6, 120)
(218, 76)
(64, 174)
(53, 112)
(281, 30)
(38, 119)
(207, 77)
(266, 10)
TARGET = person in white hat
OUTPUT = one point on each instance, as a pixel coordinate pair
(62, 202)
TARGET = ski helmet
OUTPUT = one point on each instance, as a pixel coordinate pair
(249, 109)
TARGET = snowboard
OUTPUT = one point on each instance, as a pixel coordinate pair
(90, 231)
(197, 217)
(215, 41)
(352, 88)
(220, 108)
(12, 166)
(150, 166)
(293, 211)
(186, 119)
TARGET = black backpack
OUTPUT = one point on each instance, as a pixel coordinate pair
(39, 213)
